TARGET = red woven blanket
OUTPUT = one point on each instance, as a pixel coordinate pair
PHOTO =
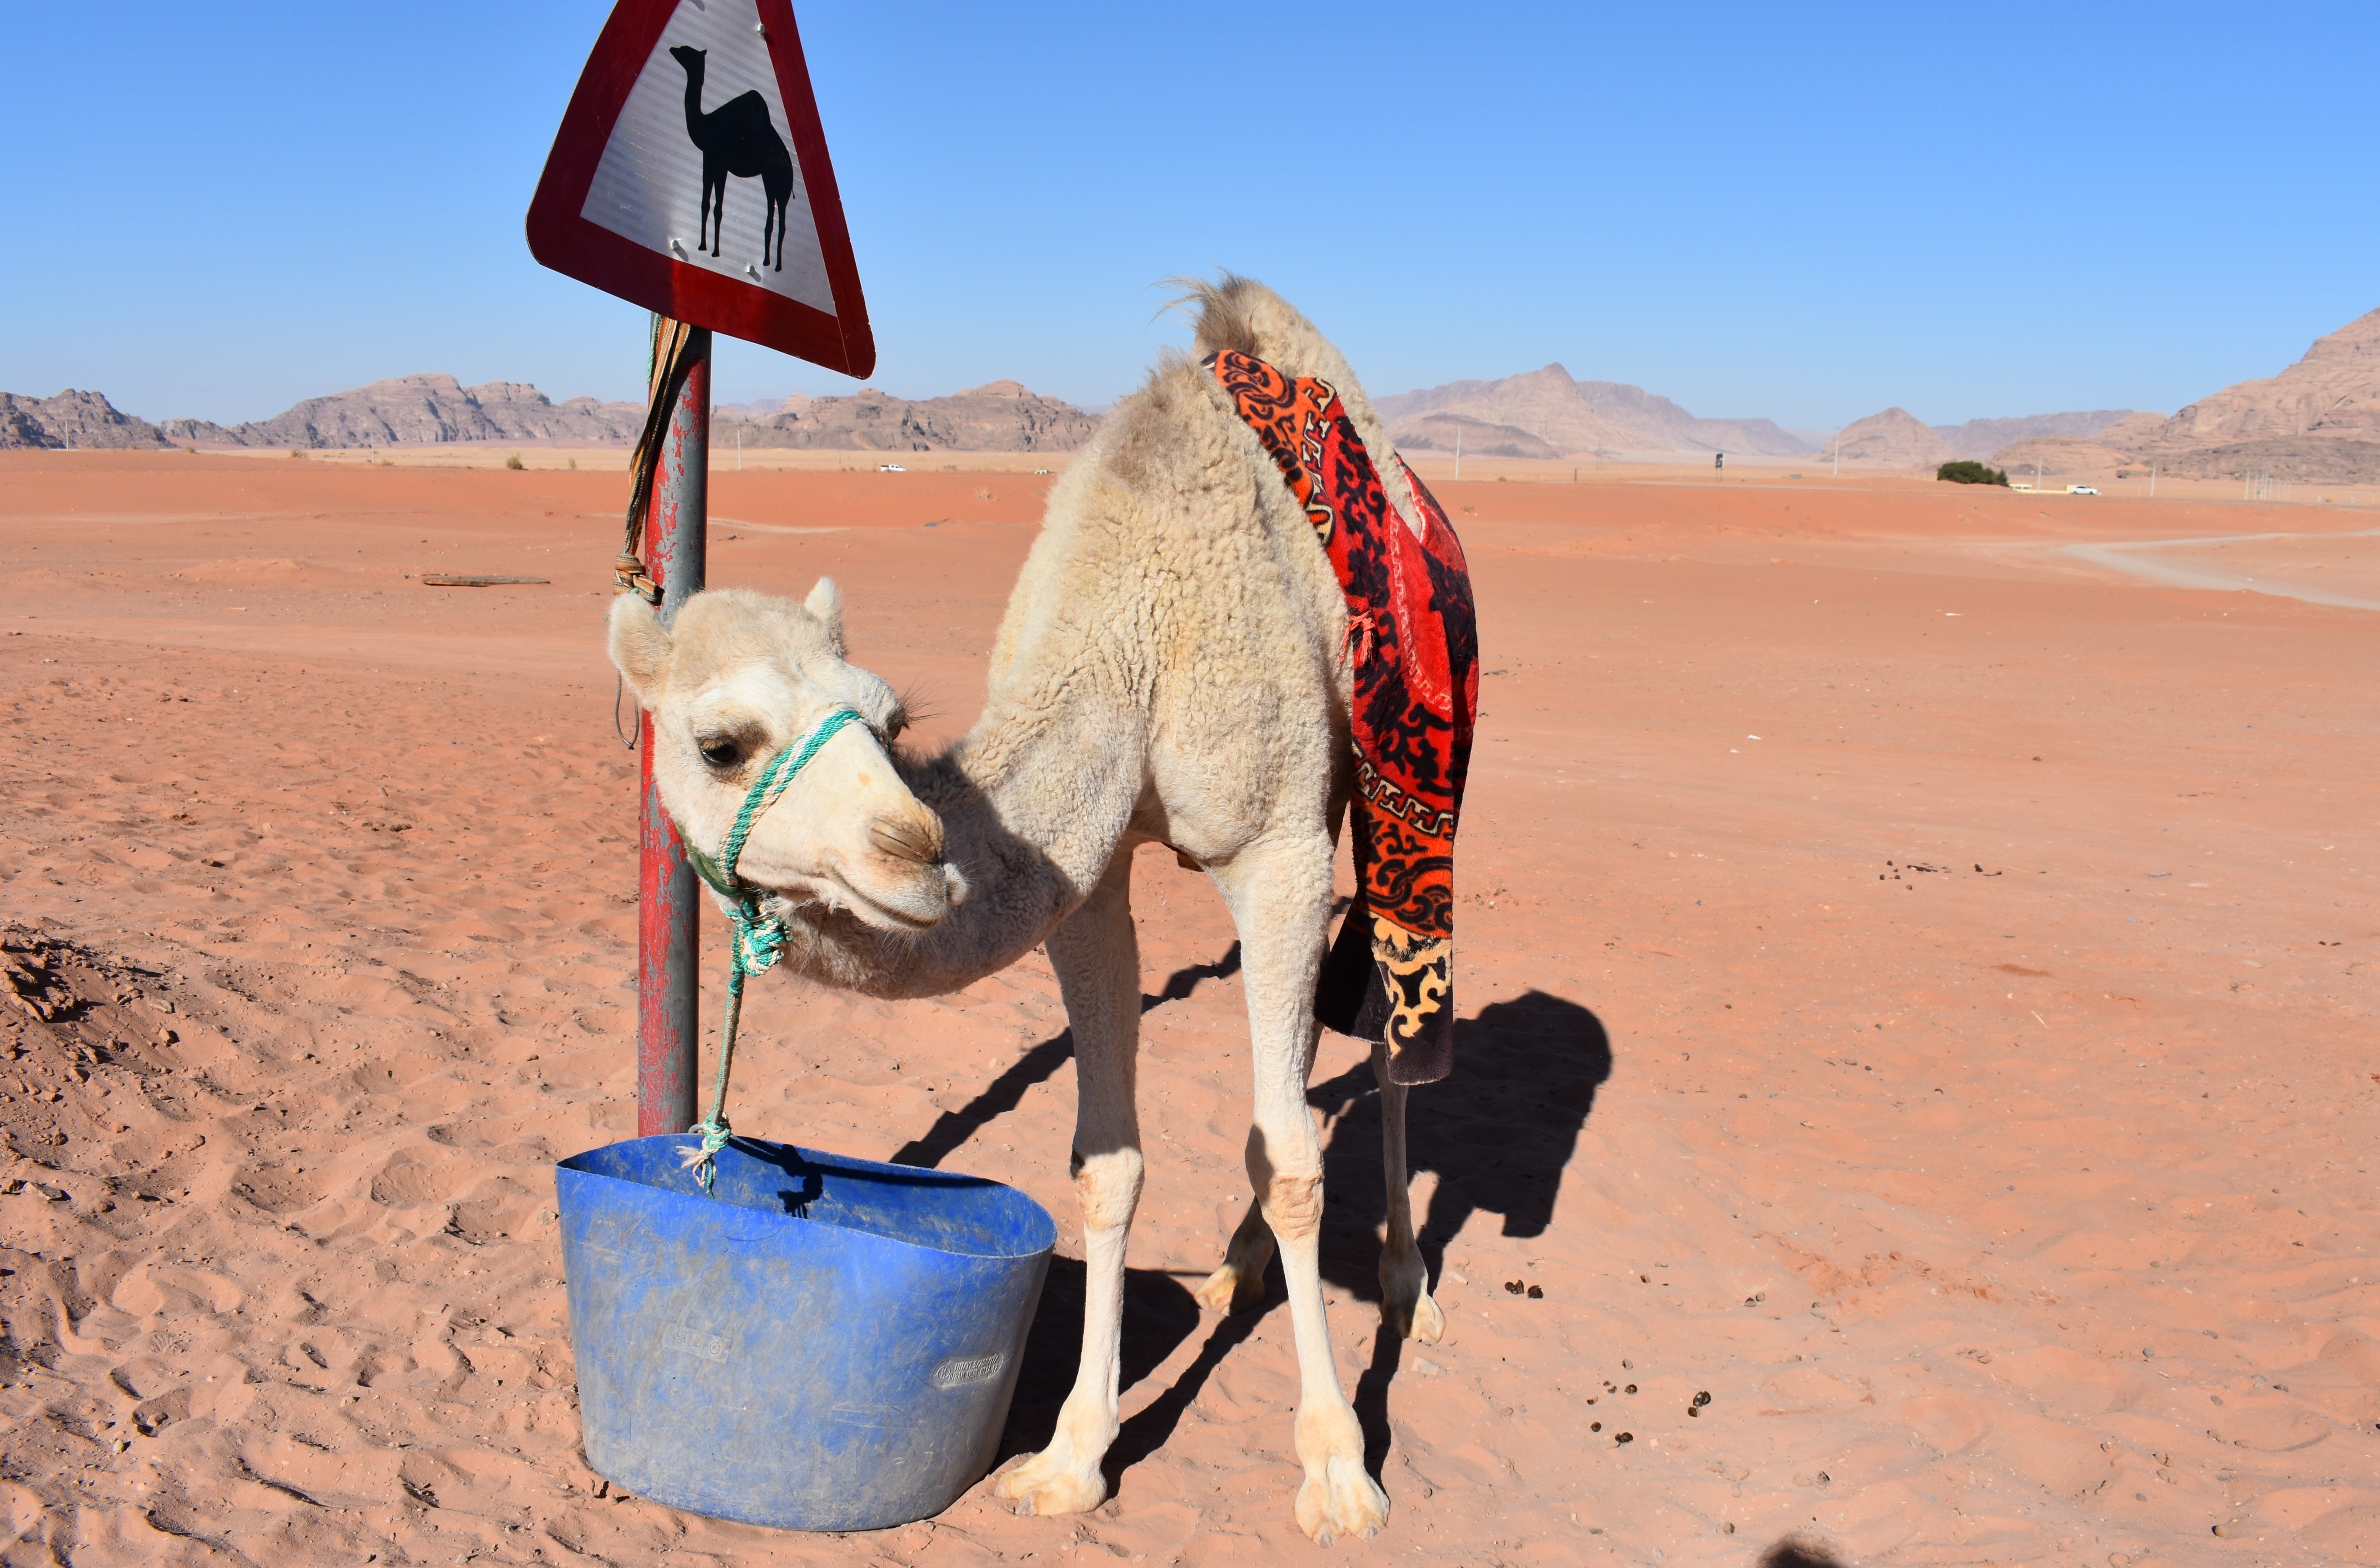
(1412, 644)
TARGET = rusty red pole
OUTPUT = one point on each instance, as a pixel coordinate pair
(666, 888)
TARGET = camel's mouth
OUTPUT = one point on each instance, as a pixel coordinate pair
(917, 908)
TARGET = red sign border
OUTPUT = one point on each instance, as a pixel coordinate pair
(559, 237)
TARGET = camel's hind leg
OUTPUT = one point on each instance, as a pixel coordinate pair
(1098, 972)
(1405, 1304)
(1280, 898)
(1239, 1284)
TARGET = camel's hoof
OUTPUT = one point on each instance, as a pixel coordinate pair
(1042, 1484)
(1421, 1319)
(1226, 1289)
(1341, 1499)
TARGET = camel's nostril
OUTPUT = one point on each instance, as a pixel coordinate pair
(917, 838)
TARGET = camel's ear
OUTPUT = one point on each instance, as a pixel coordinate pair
(640, 644)
(825, 605)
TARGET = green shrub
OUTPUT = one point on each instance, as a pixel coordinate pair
(1962, 471)
(514, 463)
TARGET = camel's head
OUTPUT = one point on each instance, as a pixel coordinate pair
(690, 58)
(739, 677)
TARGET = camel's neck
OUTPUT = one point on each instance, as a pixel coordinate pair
(1033, 815)
(694, 103)
(1034, 803)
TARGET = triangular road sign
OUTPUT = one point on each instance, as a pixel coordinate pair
(693, 132)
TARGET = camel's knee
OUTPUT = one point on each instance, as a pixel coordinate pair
(1291, 1205)
(1108, 1186)
(1291, 1197)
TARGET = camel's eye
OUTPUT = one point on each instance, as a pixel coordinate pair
(722, 751)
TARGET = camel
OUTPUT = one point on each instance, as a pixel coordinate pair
(1171, 668)
(736, 138)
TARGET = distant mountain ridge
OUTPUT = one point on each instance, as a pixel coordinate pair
(1979, 439)
(1001, 416)
(420, 409)
(84, 419)
(1558, 415)
(1896, 437)
(2318, 421)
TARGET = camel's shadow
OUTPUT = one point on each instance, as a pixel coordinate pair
(1497, 1135)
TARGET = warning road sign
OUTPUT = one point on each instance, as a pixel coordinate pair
(690, 176)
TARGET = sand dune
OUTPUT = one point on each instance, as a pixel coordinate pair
(1918, 989)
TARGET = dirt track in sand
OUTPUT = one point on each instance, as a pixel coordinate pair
(1920, 988)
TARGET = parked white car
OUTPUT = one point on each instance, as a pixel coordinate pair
(891, 468)
(2081, 489)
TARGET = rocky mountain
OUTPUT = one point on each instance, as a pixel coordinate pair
(1001, 416)
(409, 409)
(2317, 421)
(1460, 433)
(72, 418)
(2052, 457)
(1981, 438)
(1896, 437)
(1567, 416)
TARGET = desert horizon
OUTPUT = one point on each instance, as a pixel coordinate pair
(2316, 423)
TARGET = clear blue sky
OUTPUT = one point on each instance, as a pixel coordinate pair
(1807, 213)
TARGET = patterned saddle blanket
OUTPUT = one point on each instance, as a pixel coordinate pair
(1412, 644)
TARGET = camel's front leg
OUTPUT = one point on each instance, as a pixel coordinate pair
(1280, 897)
(1098, 973)
(1405, 1304)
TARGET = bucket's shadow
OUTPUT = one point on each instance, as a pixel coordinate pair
(1159, 1314)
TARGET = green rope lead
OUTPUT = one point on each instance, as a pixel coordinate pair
(759, 938)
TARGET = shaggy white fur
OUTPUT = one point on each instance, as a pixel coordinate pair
(1171, 669)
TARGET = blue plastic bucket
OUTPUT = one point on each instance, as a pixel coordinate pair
(827, 1345)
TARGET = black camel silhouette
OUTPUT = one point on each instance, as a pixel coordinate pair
(736, 138)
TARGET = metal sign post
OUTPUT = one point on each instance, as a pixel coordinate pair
(667, 908)
(690, 176)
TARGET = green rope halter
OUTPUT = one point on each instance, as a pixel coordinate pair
(759, 938)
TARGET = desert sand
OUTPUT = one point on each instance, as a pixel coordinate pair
(1918, 983)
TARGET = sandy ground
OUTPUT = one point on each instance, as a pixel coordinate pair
(1919, 989)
